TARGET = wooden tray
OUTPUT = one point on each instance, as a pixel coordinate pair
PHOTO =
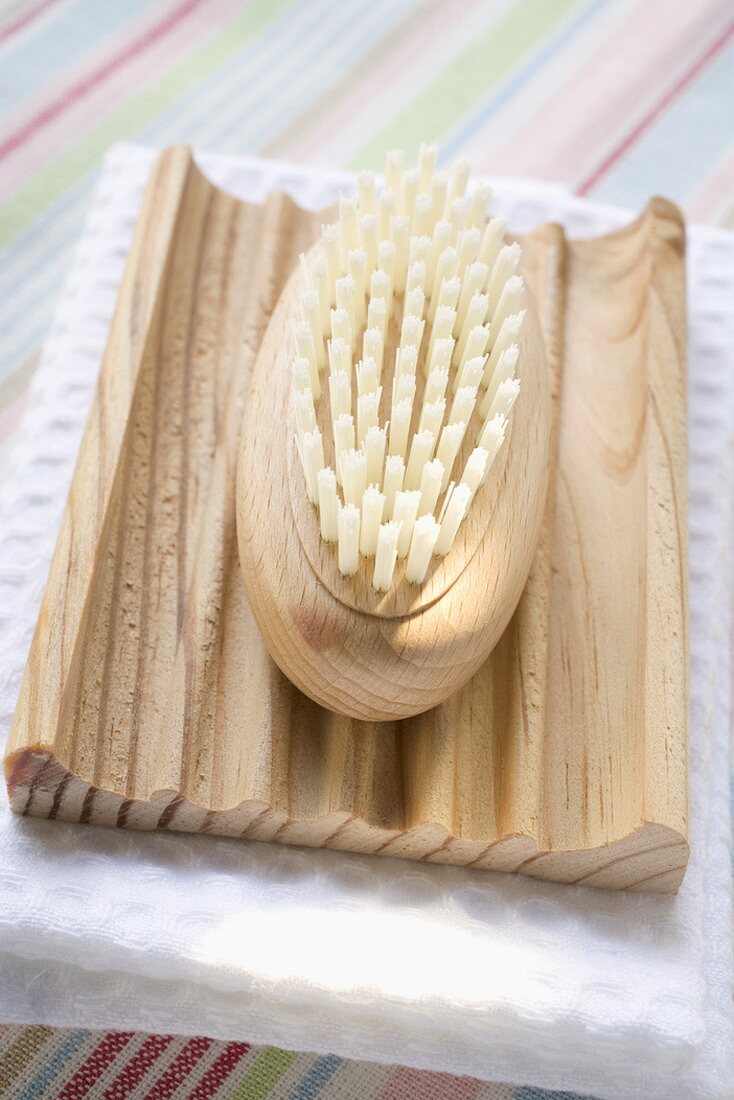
(149, 701)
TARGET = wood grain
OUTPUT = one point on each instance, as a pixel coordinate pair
(149, 700)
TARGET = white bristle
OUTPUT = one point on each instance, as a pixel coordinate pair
(415, 301)
(340, 326)
(328, 505)
(505, 397)
(373, 505)
(448, 448)
(354, 476)
(480, 197)
(432, 415)
(343, 440)
(462, 407)
(375, 443)
(415, 270)
(345, 300)
(368, 241)
(340, 394)
(393, 480)
(367, 408)
(348, 238)
(311, 450)
(504, 266)
(306, 349)
(421, 452)
(405, 512)
(427, 156)
(430, 487)
(394, 166)
(373, 347)
(475, 469)
(357, 269)
(436, 385)
(440, 241)
(422, 215)
(475, 316)
(399, 427)
(508, 335)
(492, 436)
(417, 273)
(492, 239)
(367, 380)
(400, 238)
(340, 356)
(472, 372)
(425, 536)
(304, 411)
(330, 241)
(510, 301)
(445, 271)
(377, 314)
(439, 190)
(458, 179)
(348, 528)
(504, 371)
(441, 352)
(473, 283)
(386, 556)
(452, 517)
(411, 332)
(301, 374)
(387, 208)
(366, 192)
(312, 317)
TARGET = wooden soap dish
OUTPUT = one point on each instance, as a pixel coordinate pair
(149, 700)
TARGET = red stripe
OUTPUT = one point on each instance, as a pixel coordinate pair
(98, 76)
(179, 1069)
(24, 19)
(680, 85)
(219, 1071)
(133, 1073)
(89, 1073)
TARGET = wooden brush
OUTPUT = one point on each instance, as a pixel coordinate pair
(394, 456)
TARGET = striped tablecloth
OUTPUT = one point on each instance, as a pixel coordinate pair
(614, 98)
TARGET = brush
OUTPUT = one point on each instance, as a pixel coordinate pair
(401, 353)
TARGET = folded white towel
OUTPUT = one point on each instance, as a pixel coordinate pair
(500, 977)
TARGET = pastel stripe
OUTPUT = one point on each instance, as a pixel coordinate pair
(26, 17)
(414, 1082)
(319, 1075)
(475, 74)
(715, 192)
(671, 94)
(71, 1042)
(21, 1052)
(263, 1075)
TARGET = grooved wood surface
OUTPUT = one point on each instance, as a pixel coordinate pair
(149, 700)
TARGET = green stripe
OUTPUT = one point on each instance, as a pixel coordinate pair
(69, 168)
(264, 1074)
(463, 84)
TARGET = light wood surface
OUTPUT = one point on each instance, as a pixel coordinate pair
(149, 699)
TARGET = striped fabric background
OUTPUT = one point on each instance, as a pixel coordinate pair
(614, 98)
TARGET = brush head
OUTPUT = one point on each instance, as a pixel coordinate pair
(406, 349)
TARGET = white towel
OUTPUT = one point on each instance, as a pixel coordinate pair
(442, 968)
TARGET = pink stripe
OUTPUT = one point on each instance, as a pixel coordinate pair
(96, 77)
(219, 1071)
(654, 114)
(179, 1069)
(405, 1083)
(23, 20)
(132, 1074)
(708, 200)
(610, 81)
(98, 1061)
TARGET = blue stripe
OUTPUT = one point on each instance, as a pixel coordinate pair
(36, 1089)
(319, 1075)
(454, 142)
